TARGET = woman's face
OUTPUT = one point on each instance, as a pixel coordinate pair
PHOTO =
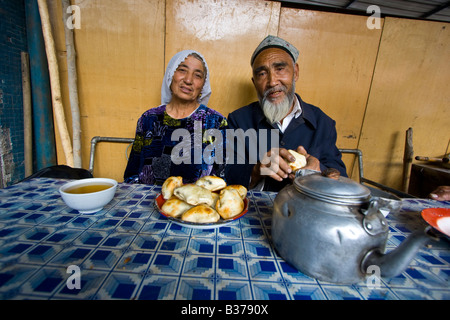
(188, 80)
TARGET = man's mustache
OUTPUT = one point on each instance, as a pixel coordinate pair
(274, 89)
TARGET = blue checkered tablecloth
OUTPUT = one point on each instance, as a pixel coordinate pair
(130, 251)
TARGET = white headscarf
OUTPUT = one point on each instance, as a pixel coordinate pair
(166, 93)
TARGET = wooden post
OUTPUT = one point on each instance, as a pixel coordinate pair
(73, 89)
(27, 115)
(407, 159)
(55, 84)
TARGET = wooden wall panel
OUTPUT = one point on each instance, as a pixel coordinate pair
(55, 12)
(120, 61)
(337, 57)
(410, 89)
(226, 32)
(374, 88)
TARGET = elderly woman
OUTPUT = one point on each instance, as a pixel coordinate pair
(156, 153)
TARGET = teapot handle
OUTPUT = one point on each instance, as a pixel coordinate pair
(329, 173)
(383, 205)
(305, 172)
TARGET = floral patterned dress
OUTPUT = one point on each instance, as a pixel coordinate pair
(158, 151)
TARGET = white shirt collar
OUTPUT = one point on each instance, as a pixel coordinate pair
(295, 113)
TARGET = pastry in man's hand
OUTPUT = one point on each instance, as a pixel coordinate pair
(169, 186)
(299, 162)
(212, 183)
(230, 203)
(201, 214)
(194, 195)
(175, 207)
(239, 188)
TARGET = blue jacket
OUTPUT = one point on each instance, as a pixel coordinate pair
(313, 130)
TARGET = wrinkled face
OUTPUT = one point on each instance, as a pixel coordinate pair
(274, 77)
(188, 80)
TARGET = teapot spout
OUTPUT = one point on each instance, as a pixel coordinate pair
(396, 261)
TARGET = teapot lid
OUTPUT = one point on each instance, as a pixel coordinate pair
(339, 190)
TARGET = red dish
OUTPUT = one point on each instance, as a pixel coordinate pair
(438, 218)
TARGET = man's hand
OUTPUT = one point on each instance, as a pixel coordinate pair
(442, 193)
(275, 164)
(312, 162)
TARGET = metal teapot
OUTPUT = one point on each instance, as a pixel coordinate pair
(332, 229)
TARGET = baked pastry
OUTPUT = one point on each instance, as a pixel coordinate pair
(230, 203)
(300, 161)
(201, 214)
(175, 207)
(241, 189)
(194, 195)
(169, 186)
(212, 183)
(215, 196)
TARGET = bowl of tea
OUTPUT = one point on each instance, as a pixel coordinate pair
(88, 195)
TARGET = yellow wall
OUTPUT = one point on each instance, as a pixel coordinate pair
(374, 83)
(410, 89)
(337, 58)
(226, 33)
(120, 61)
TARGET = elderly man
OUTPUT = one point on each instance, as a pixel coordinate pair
(296, 124)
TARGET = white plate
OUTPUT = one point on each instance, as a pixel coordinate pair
(159, 201)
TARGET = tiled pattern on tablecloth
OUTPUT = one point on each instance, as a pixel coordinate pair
(129, 251)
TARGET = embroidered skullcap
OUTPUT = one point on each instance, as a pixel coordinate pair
(275, 42)
(177, 59)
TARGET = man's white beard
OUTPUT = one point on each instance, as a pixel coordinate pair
(276, 112)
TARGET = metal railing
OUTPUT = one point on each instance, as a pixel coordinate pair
(363, 180)
(98, 139)
(358, 154)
